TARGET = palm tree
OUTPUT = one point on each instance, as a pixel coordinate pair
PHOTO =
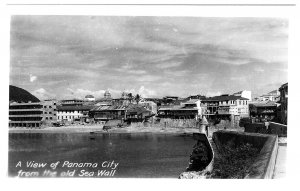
(130, 97)
(137, 98)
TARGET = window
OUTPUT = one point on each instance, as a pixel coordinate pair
(50, 107)
(50, 118)
(46, 118)
(50, 112)
(45, 112)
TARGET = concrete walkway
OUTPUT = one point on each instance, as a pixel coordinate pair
(280, 166)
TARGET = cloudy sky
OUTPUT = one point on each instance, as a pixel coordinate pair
(72, 56)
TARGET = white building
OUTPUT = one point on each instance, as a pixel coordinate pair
(271, 96)
(89, 98)
(226, 105)
(245, 94)
(72, 113)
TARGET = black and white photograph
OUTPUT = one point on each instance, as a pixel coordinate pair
(168, 97)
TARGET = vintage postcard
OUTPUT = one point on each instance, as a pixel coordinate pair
(148, 96)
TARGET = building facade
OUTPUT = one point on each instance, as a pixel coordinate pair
(73, 113)
(283, 103)
(186, 110)
(25, 114)
(32, 115)
(49, 111)
(263, 111)
(244, 94)
(226, 105)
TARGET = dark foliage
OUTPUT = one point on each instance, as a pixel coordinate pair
(20, 95)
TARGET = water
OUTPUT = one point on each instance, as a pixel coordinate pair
(143, 155)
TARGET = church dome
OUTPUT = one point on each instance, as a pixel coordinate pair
(107, 94)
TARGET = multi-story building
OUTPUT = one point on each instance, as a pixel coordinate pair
(226, 105)
(25, 114)
(283, 103)
(49, 111)
(32, 114)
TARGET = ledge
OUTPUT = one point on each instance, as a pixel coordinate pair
(264, 164)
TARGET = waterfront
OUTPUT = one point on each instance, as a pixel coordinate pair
(142, 155)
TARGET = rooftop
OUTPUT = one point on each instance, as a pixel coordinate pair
(264, 104)
(74, 108)
(89, 96)
(225, 98)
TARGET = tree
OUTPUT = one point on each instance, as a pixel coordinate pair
(130, 97)
(137, 98)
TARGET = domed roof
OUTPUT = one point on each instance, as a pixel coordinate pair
(106, 92)
(89, 96)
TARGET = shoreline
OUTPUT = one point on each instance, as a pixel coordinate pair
(99, 129)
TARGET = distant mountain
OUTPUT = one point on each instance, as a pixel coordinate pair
(20, 95)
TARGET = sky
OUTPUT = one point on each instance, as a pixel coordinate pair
(67, 57)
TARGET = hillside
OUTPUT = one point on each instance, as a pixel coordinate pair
(20, 95)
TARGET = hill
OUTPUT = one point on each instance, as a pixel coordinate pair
(20, 95)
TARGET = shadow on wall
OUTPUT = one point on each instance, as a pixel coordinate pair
(267, 128)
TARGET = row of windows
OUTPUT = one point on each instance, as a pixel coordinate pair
(47, 112)
(70, 111)
(48, 118)
(48, 106)
(241, 102)
(67, 117)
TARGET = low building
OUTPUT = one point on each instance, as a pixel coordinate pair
(107, 112)
(149, 105)
(263, 111)
(271, 96)
(186, 110)
(137, 113)
(72, 113)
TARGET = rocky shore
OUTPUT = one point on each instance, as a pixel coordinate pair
(99, 129)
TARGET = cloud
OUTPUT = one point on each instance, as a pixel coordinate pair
(88, 53)
(81, 93)
(213, 93)
(42, 94)
(32, 78)
(144, 92)
(168, 65)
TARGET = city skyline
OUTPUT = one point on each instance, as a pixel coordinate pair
(72, 56)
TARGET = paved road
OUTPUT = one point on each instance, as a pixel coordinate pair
(280, 166)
